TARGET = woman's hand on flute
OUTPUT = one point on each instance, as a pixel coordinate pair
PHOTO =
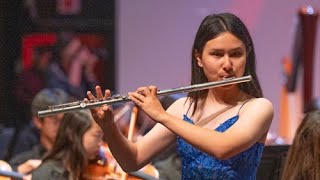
(103, 114)
(146, 98)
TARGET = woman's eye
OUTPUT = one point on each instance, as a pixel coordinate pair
(98, 135)
(236, 54)
(217, 54)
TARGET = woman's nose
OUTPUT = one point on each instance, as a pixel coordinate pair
(100, 142)
(227, 64)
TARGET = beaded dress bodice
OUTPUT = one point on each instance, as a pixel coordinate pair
(199, 165)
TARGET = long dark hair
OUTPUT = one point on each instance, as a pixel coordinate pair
(68, 146)
(211, 27)
(303, 159)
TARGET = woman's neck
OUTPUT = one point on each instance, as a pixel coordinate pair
(227, 95)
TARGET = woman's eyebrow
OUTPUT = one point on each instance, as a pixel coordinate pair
(237, 49)
(233, 49)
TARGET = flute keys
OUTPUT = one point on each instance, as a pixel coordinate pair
(116, 96)
(83, 105)
(119, 96)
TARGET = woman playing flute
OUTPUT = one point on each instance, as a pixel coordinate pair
(220, 132)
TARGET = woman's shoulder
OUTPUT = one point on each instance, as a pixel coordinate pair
(261, 102)
(49, 165)
(258, 105)
(182, 100)
(179, 107)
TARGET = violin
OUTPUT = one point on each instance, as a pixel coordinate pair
(106, 167)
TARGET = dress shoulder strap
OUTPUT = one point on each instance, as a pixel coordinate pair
(243, 104)
(204, 121)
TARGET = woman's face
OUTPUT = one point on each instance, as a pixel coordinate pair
(49, 127)
(223, 57)
(92, 140)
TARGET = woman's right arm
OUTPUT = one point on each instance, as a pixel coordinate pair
(131, 156)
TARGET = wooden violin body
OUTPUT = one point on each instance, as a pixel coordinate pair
(106, 168)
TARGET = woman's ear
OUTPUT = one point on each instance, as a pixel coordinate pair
(37, 122)
(197, 56)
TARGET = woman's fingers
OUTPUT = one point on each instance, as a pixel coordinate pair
(107, 94)
(86, 100)
(140, 96)
(91, 96)
(142, 93)
(153, 90)
(94, 99)
(99, 92)
(135, 97)
(145, 91)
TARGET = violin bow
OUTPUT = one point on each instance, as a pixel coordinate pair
(133, 120)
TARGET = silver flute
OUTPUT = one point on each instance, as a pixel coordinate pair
(78, 105)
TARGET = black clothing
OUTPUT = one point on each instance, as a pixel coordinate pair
(37, 152)
(50, 170)
(26, 140)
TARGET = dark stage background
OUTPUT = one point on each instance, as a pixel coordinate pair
(92, 20)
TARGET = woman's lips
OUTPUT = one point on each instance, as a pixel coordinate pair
(227, 77)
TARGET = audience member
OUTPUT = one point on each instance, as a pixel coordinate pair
(29, 82)
(73, 67)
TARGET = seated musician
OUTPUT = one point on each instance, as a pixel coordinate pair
(78, 140)
(36, 142)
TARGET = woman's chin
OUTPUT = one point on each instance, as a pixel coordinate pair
(227, 87)
(92, 156)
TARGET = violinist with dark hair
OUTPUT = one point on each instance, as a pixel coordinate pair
(78, 141)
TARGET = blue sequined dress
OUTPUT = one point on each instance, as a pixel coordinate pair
(199, 165)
